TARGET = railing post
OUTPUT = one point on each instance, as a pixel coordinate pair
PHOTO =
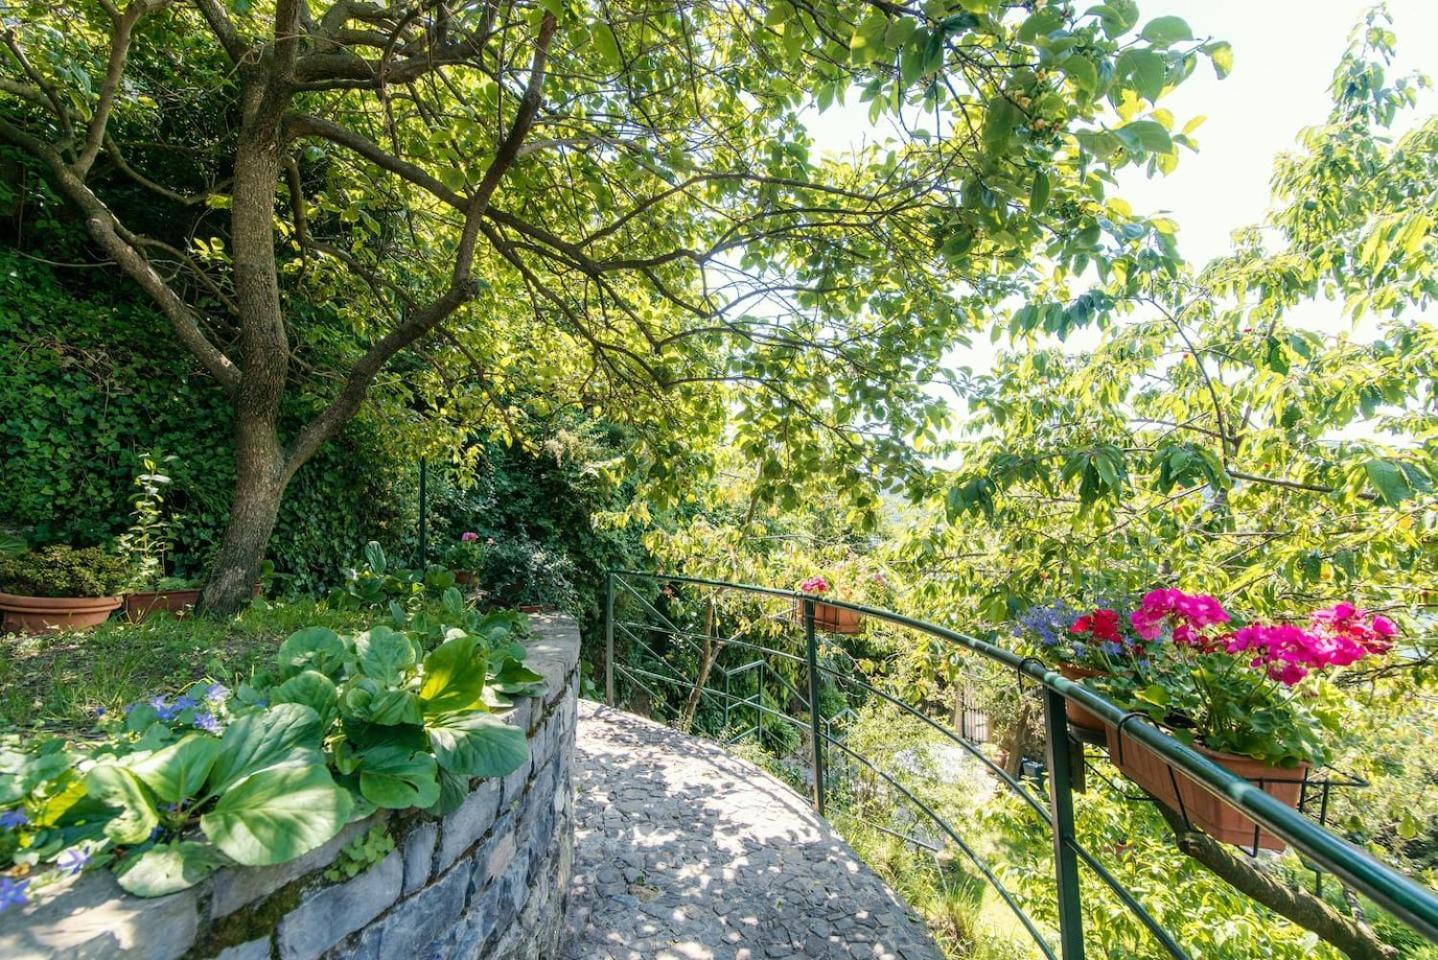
(609, 639)
(1061, 825)
(816, 723)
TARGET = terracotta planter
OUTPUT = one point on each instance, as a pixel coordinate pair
(829, 618)
(466, 578)
(138, 606)
(1178, 792)
(1078, 714)
(49, 614)
(537, 608)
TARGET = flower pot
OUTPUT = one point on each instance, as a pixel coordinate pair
(1177, 791)
(138, 606)
(1078, 714)
(49, 614)
(829, 618)
(537, 608)
(466, 578)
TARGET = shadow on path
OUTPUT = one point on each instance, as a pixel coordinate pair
(683, 852)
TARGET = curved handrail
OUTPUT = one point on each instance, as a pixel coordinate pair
(1411, 902)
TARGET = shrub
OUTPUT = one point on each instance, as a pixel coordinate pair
(61, 571)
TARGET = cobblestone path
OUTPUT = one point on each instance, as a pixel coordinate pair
(684, 852)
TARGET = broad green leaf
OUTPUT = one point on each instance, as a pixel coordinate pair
(476, 744)
(366, 699)
(1148, 135)
(1117, 16)
(1146, 70)
(168, 868)
(1389, 480)
(454, 675)
(396, 778)
(115, 786)
(384, 654)
(606, 44)
(1221, 53)
(311, 689)
(277, 814)
(287, 733)
(999, 122)
(1166, 31)
(317, 648)
(1039, 192)
(453, 789)
(178, 772)
(1082, 72)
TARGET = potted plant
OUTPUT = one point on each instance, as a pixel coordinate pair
(466, 557)
(60, 588)
(148, 545)
(1240, 697)
(1083, 646)
(827, 617)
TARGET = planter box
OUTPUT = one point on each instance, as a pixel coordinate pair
(49, 614)
(1078, 714)
(138, 606)
(829, 618)
(1177, 791)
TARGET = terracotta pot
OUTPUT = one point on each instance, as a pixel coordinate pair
(537, 608)
(829, 618)
(138, 606)
(466, 578)
(1078, 714)
(49, 614)
(1177, 791)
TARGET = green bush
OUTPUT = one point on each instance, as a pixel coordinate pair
(61, 571)
(93, 379)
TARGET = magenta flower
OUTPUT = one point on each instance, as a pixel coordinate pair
(1187, 614)
(469, 536)
(815, 584)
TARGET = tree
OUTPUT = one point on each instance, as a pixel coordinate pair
(616, 206)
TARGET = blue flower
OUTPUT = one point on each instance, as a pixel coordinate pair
(99, 711)
(217, 693)
(12, 893)
(186, 702)
(1112, 647)
(207, 722)
(163, 708)
(11, 819)
(74, 860)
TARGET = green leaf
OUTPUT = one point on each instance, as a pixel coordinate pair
(1146, 71)
(374, 558)
(454, 675)
(453, 790)
(1117, 16)
(1389, 480)
(999, 122)
(606, 44)
(396, 778)
(1147, 135)
(115, 786)
(1039, 192)
(287, 733)
(277, 814)
(317, 648)
(366, 699)
(1082, 72)
(477, 744)
(168, 868)
(1166, 31)
(311, 689)
(1221, 53)
(178, 772)
(384, 654)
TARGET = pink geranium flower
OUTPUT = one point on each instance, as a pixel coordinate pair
(1188, 615)
(815, 584)
(469, 536)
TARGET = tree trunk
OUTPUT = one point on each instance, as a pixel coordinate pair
(260, 481)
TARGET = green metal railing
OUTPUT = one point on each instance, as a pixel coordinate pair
(1406, 900)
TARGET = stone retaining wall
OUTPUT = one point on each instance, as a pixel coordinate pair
(490, 880)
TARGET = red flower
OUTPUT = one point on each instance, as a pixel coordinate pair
(1102, 624)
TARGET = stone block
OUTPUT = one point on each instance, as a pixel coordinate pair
(240, 886)
(254, 950)
(93, 918)
(553, 652)
(419, 855)
(459, 831)
(422, 919)
(333, 913)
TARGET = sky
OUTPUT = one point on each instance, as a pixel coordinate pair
(1284, 55)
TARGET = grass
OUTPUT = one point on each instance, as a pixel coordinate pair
(57, 681)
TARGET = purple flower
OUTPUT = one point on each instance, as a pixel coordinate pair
(217, 693)
(186, 702)
(74, 860)
(207, 722)
(99, 711)
(162, 708)
(1112, 647)
(11, 819)
(12, 893)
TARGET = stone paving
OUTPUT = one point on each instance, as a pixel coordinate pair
(683, 852)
